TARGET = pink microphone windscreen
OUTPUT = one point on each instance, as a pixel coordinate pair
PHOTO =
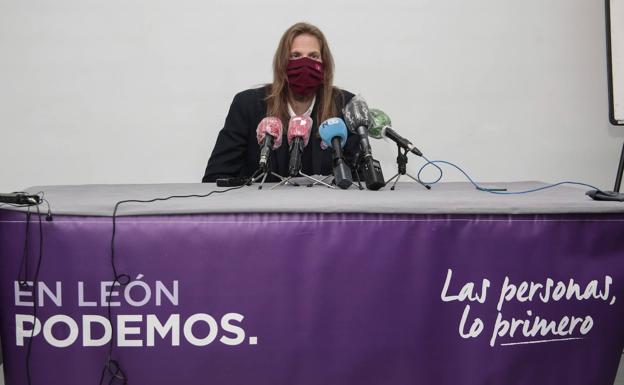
(300, 126)
(272, 126)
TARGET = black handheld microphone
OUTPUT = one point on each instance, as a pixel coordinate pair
(333, 132)
(358, 120)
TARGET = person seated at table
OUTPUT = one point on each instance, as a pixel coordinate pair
(303, 74)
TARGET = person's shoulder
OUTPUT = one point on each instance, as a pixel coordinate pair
(342, 96)
(346, 94)
(251, 95)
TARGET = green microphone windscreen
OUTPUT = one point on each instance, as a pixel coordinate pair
(379, 120)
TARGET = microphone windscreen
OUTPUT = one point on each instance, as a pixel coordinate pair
(331, 128)
(379, 121)
(356, 113)
(300, 127)
(272, 126)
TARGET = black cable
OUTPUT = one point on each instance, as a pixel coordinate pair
(35, 286)
(111, 365)
(23, 270)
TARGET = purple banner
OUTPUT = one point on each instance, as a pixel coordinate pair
(318, 299)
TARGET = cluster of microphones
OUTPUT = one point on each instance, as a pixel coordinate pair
(358, 119)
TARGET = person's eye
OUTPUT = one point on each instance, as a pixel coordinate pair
(294, 55)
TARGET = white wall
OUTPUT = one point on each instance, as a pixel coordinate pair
(616, 10)
(136, 91)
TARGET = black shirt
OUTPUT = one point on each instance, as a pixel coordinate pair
(237, 152)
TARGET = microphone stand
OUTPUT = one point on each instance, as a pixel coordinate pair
(614, 195)
(618, 177)
(333, 182)
(313, 180)
(322, 180)
(294, 166)
(357, 163)
(265, 163)
(265, 173)
(402, 169)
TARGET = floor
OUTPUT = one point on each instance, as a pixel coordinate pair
(619, 380)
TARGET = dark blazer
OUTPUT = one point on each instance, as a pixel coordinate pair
(236, 152)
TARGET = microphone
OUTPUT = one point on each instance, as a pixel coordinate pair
(358, 120)
(333, 132)
(299, 128)
(381, 127)
(269, 135)
(20, 198)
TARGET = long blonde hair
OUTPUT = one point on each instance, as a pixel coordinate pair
(277, 95)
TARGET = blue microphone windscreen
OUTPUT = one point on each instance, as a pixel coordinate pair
(331, 128)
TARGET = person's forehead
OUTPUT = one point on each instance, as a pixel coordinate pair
(305, 41)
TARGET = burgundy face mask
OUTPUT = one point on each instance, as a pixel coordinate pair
(305, 75)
